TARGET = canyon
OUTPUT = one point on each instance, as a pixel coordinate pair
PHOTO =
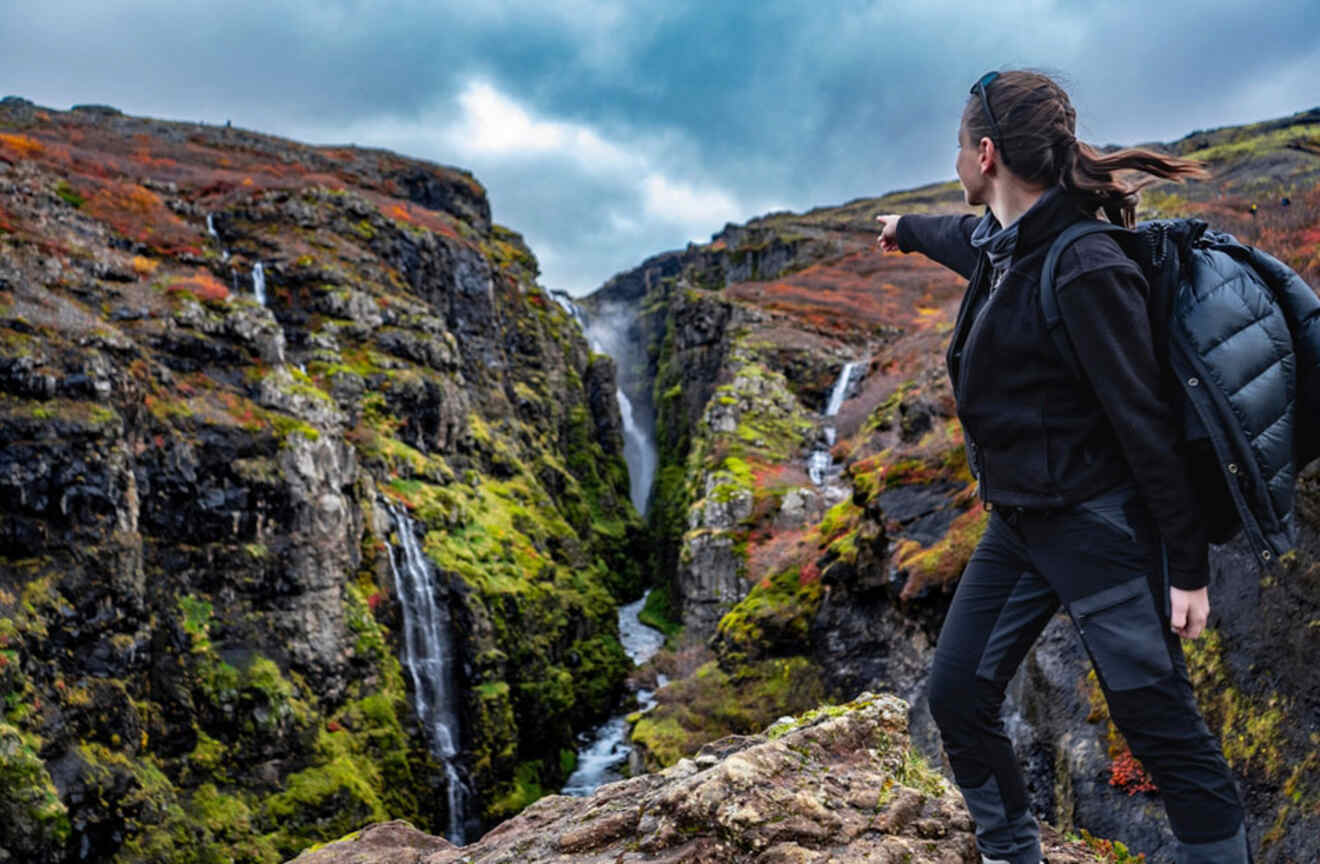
(316, 513)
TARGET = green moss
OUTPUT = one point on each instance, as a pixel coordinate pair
(327, 800)
(1250, 728)
(36, 819)
(90, 417)
(713, 703)
(774, 619)
(1247, 143)
(658, 611)
(208, 759)
(517, 794)
(567, 761)
(494, 743)
(196, 612)
(915, 773)
(68, 195)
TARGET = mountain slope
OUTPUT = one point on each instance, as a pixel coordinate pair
(204, 492)
(793, 590)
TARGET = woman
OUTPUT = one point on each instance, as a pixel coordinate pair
(1090, 505)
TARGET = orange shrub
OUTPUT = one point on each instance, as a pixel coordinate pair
(21, 145)
(201, 285)
(144, 266)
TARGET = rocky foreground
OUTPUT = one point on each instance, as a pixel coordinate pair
(835, 785)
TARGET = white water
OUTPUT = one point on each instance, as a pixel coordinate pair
(639, 450)
(428, 653)
(820, 464)
(259, 283)
(640, 454)
(600, 759)
(210, 229)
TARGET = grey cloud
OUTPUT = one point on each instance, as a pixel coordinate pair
(804, 104)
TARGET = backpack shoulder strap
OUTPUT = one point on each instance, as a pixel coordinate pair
(1049, 299)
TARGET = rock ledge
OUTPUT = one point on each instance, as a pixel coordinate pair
(834, 786)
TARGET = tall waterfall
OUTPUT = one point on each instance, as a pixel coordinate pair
(640, 454)
(606, 337)
(259, 283)
(820, 463)
(428, 654)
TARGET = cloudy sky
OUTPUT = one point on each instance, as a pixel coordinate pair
(608, 130)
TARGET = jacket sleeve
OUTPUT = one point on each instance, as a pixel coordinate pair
(946, 239)
(1107, 321)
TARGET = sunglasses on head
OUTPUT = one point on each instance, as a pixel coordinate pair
(980, 87)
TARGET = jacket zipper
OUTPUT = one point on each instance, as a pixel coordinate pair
(978, 455)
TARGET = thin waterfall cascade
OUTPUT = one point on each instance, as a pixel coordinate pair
(428, 655)
(600, 758)
(259, 283)
(210, 229)
(820, 464)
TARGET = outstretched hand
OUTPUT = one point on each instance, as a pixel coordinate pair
(1188, 611)
(888, 238)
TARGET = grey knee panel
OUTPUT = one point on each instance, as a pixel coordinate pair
(1230, 850)
(1014, 839)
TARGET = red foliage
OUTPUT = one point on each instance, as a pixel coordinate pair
(135, 212)
(858, 292)
(810, 573)
(375, 600)
(203, 286)
(412, 214)
(334, 726)
(1126, 772)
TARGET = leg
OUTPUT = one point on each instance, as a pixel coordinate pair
(1107, 562)
(999, 609)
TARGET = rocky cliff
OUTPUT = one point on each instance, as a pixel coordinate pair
(238, 377)
(839, 785)
(796, 588)
(259, 401)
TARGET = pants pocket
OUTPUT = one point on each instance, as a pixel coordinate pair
(1111, 510)
(1121, 629)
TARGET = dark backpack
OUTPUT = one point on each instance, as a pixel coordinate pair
(1206, 290)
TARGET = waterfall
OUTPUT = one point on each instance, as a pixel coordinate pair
(600, 759)
(640, 454)
(210, 229)
(259, 283)
(820, 463)
(639, 450)
(428, 654)
(840, 389)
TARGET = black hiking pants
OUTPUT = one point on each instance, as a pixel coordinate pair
(1103, 560)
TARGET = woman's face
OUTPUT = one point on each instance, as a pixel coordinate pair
(969, 170)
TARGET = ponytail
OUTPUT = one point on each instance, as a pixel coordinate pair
(1091, 173)
(1037, 123)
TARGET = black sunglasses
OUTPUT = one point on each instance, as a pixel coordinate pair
(980, 87)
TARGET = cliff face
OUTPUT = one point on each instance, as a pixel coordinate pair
(794, 590)
(203, 494)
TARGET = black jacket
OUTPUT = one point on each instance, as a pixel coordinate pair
(1035, 438)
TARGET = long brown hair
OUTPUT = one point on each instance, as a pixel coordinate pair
(1039, 143)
